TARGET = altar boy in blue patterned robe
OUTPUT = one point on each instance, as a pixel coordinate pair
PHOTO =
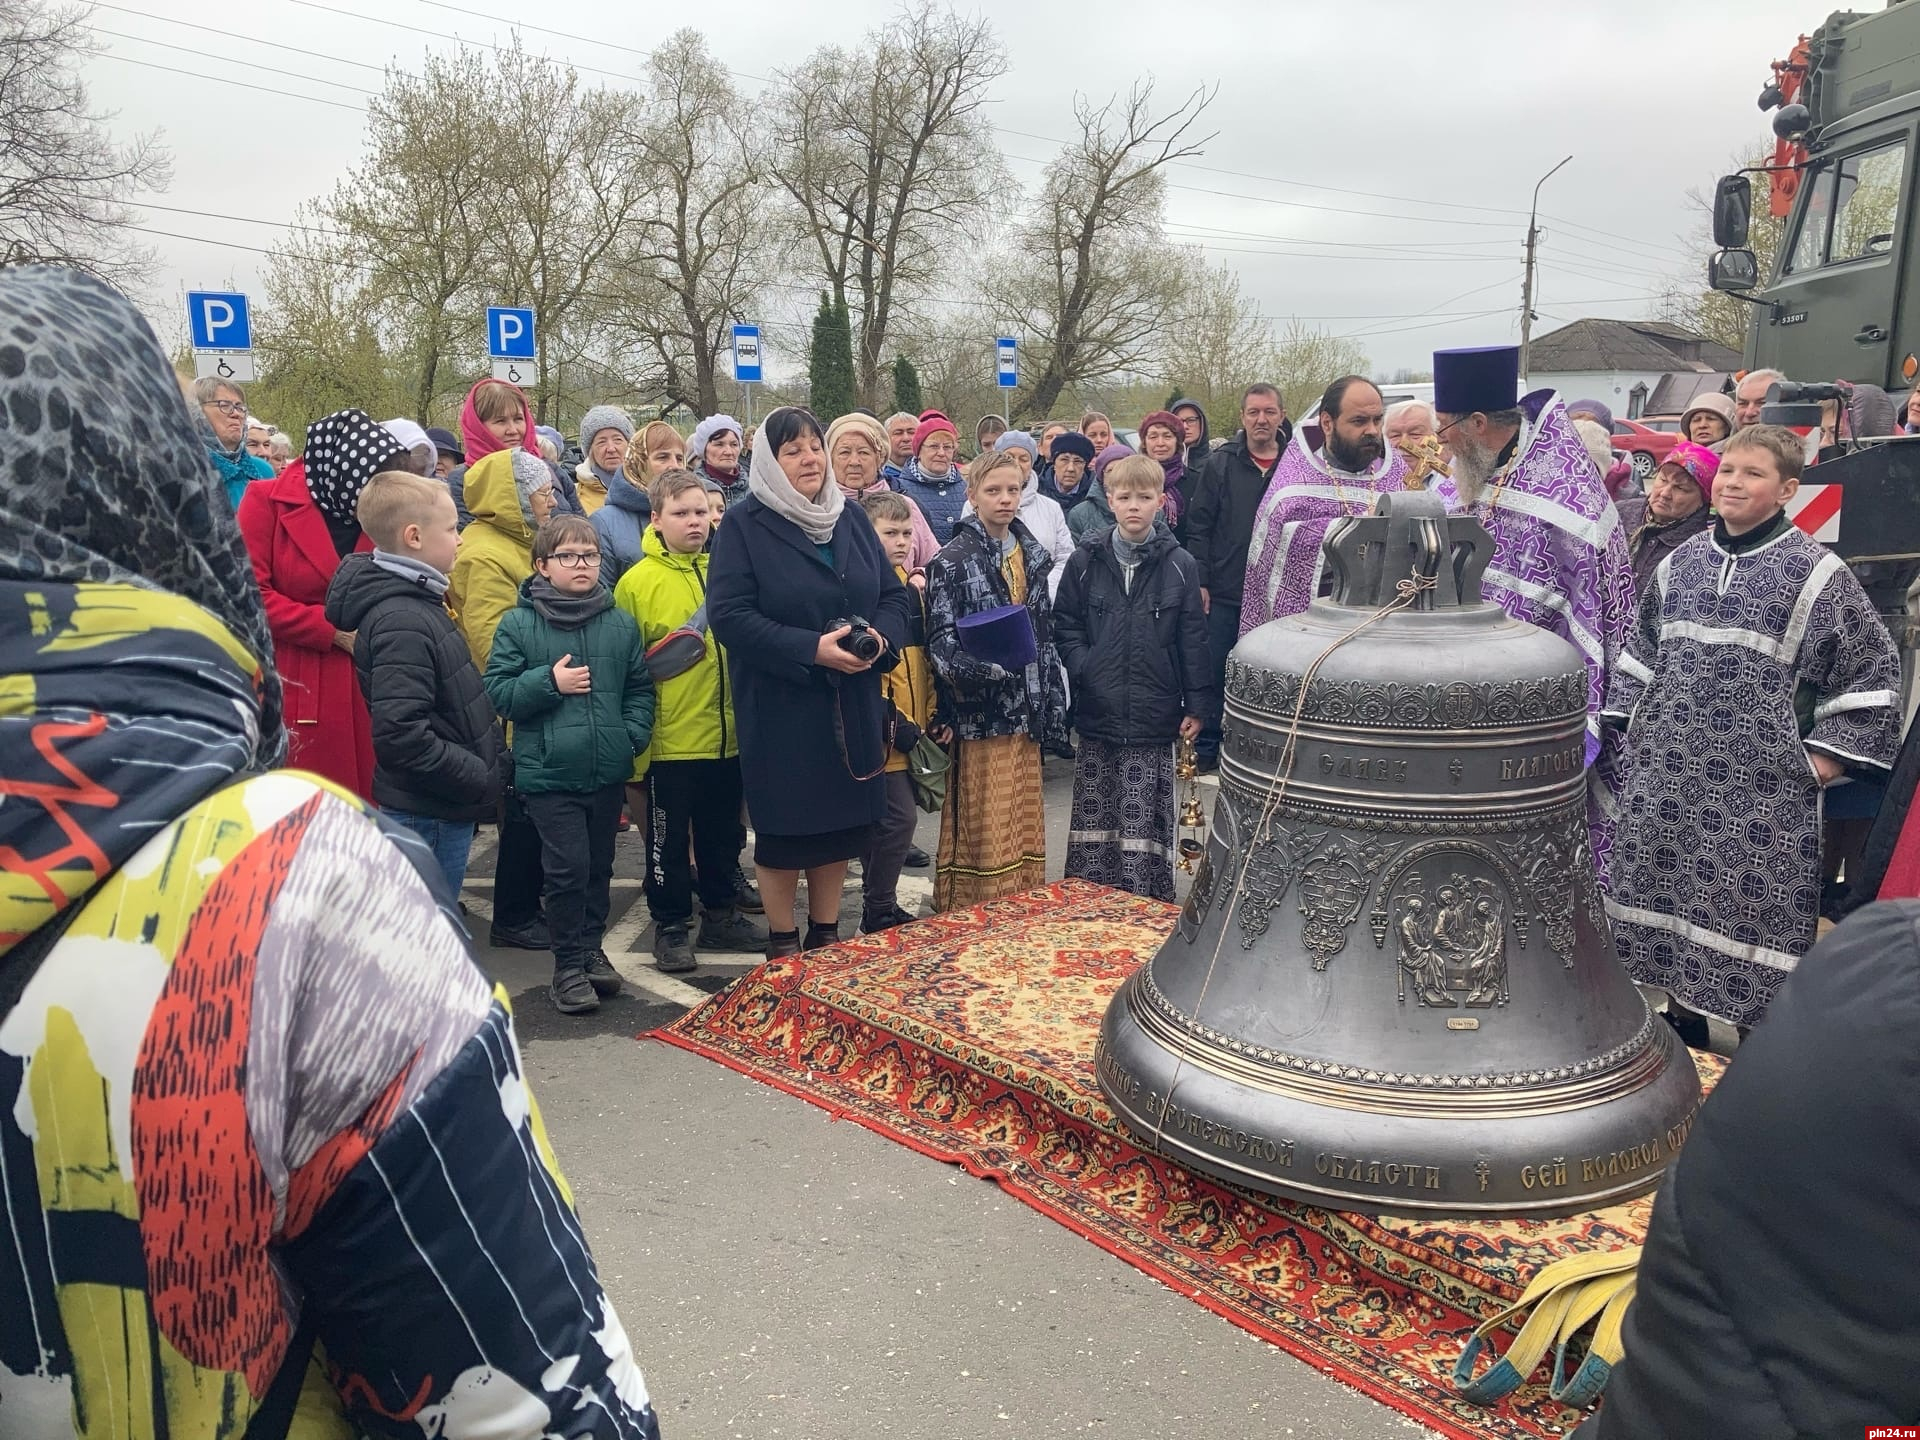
(1756, 675)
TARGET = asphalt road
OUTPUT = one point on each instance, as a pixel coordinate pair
(782, 1274)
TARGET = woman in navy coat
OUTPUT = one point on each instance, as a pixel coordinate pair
(790, 565)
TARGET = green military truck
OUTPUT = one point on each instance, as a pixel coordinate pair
(1843, 301)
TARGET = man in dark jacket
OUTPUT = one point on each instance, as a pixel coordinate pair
(1776, 1291)
(1132, 637)
(1220, 528)
(439, 763)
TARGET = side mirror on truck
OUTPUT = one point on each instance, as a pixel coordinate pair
(1733, 270)
(1732, 211)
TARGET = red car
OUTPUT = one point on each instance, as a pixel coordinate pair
(1645, 445)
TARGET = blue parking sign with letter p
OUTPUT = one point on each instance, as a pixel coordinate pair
(218, 320)
(509, 333)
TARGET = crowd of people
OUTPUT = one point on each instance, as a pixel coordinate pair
(805, 633)
(808, 630)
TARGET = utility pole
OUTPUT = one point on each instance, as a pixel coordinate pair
(1526, 281)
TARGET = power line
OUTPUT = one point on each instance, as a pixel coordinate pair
(235, 35)
(443, 35)
(243, 219)
(1279, 180)
(224, 80)
(568, 35)
(202, 54)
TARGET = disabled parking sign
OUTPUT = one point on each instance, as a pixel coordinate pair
(221, 330)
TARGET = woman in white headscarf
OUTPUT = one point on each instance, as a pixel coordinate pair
(809, 611)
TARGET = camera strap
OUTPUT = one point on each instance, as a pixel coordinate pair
(840, 734)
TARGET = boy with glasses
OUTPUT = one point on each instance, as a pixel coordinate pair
(569, 672)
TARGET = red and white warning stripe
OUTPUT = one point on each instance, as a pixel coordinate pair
(1816, 510)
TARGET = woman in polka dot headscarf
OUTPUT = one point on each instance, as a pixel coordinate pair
(297, 527)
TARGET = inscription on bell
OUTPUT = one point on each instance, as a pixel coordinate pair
(1539, 766)
(1369, 768)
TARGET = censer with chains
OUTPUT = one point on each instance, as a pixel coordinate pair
(1193, 816)
(1392, 986)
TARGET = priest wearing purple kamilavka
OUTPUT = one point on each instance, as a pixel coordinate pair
(1560, 558)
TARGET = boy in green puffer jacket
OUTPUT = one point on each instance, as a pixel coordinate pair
(693, 780)
(569, 672)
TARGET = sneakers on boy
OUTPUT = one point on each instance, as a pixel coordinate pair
(728, 929)
(673, 951)
(572, 993)
(601, 974)
(531, 936)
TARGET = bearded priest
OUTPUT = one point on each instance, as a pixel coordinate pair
(1337, 464)
(1560, 560)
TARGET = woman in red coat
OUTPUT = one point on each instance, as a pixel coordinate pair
(297, 527)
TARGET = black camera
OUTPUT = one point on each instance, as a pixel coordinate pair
(1787, 392)
(861, 640)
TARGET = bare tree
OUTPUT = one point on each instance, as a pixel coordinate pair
(318, 338)
(1219, 343)
(1091, 279)
(697, 255)
(417, 205)
(885, 151)
(66, 187)
(1306, 360)
(568, 182)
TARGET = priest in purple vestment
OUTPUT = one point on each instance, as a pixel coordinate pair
(1338, 464)
(1560, 560)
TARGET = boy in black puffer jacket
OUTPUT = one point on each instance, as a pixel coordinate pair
(439, 762)
(1133, 637)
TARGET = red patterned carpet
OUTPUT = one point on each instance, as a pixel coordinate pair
(970, 1037)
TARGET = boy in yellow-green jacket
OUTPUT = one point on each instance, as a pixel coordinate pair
(693, 777)
(909, 687)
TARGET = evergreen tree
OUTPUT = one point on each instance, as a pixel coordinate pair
(906, 387)
(830, 361)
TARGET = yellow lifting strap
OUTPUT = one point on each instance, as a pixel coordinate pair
(1564, 1298)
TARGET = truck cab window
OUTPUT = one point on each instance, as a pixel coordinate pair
(1868, 198)
(1849, 211)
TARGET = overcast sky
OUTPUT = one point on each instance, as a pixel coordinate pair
(1443, 113)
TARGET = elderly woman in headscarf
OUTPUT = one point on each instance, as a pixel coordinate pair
(857, 450)
(232, 1006)
(298, 526)
(713, 451)
(810, 612)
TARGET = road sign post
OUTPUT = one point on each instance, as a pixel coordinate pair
(512, 344)
(746, 361)
(221, 328)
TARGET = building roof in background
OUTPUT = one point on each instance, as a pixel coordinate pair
(1627, 345)
(1679, 389)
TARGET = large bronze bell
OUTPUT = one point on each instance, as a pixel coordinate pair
(1392, 987)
